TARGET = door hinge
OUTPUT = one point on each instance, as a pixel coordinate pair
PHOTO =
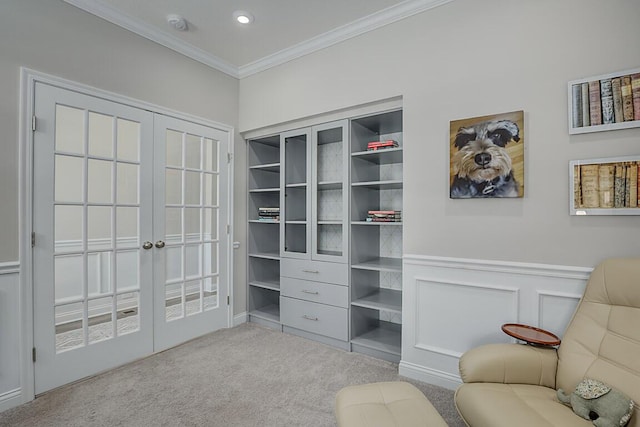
(33, 354)
(228, 228)
(229, 157)
(33, 123)
(228, 300)
(33, 239)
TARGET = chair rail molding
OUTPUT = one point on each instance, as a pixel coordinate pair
(451, 305)
(9, 267)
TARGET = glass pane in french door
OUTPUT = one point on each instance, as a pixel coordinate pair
(191, 213)
(96, 213)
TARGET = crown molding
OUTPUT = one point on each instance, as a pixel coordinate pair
(360, 26)
(109, 13)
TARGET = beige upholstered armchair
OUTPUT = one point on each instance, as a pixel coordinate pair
(508, 385)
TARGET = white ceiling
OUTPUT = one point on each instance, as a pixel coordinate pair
(282, 29)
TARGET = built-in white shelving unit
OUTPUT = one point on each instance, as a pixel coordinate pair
(263, 246)
(376, 247)
(322, 270)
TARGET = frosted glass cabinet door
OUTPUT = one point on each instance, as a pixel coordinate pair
(295, 199)
(330, 170)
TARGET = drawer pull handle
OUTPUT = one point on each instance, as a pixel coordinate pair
(304, 291)
(311, 271)
(315, 319)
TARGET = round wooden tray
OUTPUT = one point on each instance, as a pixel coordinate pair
(530, 334)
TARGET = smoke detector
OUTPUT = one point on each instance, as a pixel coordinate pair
(177, 22)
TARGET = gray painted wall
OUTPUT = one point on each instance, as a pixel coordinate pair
(463, 59)
(56, 38)
(471, 58)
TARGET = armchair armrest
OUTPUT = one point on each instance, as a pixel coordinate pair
(510, 364)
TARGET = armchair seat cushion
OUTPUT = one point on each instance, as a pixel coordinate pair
(508, 405)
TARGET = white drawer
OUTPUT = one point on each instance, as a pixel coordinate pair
(315, 318)
(317, 271)
(323, 293)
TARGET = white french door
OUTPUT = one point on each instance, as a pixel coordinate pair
(190, 194)
(127, 222)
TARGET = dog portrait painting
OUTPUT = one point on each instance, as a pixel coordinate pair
(487, 156)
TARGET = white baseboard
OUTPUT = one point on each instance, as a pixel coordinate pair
(429, 376)
(10, 399)
(239, 319)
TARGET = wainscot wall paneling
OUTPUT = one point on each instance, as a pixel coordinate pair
(451, 305)
(10, 391)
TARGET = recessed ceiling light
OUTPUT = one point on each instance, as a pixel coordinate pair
(243, 17)
(177, 22)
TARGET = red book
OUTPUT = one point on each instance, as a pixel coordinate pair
(384, 212)
(595, 107)
(381, 143)
(373, 146)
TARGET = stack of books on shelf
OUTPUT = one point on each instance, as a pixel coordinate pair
(607, 185)
(606, 101)
(384, 216)
(380, 145)
(269, 214)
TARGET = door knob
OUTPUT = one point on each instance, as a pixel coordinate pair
(159, 244)
(147, 245)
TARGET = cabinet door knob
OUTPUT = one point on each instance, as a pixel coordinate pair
(147, 245)
(159, 244)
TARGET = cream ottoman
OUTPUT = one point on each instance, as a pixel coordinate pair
(395, 403)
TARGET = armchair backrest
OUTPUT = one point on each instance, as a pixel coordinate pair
(602, 340)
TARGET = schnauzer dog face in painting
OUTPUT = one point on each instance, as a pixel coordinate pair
(481, 164)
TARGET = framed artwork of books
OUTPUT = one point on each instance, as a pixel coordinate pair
(608, 186)
(486, 156)
(605, 102)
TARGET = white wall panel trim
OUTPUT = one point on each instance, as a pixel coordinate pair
(546, 311)
(453, 305)
(542, 294)
(467, 284)
(547, 270)
(509, 302)
(10, 399)
(239, 319)
(428, 375)
(9, 267)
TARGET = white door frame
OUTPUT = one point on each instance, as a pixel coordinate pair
(28, 79)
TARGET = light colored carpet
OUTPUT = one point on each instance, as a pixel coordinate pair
(243, 376)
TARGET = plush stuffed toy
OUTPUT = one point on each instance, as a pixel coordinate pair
(596, 401)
